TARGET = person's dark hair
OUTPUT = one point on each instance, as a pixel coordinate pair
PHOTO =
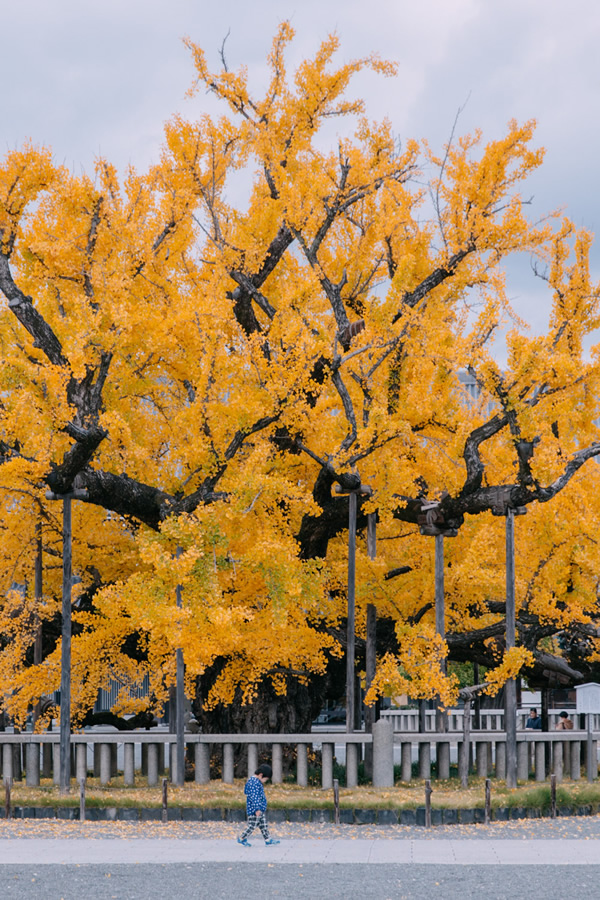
(264, 770)
(564, 714)
(533, 710)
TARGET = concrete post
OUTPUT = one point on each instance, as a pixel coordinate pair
(406, 762)
(277, 763)
(443, 760)
(32, 765)
(228, 763)
(557, 759)
(540, 761)
(7, 761)
(482, 758)
(501, 760)
(152, 764)
(566, 759)
(522, 761)
(56, 763)
(352, 765)
(327, 766)
(575, 760)
(301, 765)
(80, 762)
(252, 759)
(425, 760)
(383, 754)
(202, 763)
(105, 763)
(129, 764)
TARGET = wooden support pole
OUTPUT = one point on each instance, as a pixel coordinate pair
(350, 634)
(463, 753)
(441, 717)
(65, 678)
(7, 802)
(428, 793)
(510, 690)
(39, 594)
(336, 801)
(82, 800)
(370, 712)
(165, 812)
(591, 763)
(179, 774)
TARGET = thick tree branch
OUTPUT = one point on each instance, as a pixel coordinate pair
(23, 309)
(437, 277)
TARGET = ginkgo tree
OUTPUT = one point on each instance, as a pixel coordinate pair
(209, 372)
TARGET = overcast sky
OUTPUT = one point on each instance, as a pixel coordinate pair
(90, 77)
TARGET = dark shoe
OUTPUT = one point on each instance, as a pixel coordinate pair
(244, 842)
(270, 842)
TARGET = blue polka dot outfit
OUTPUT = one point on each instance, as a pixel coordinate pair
(256, 807)
(256, 799)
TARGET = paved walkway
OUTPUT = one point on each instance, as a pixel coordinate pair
(540, 860)
(111, 851)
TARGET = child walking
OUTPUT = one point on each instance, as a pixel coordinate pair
(256, 806)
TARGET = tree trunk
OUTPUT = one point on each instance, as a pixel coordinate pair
(269, 713)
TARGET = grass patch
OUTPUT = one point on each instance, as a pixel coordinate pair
(446, 794)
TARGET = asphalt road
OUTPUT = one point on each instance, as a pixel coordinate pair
(214, 881)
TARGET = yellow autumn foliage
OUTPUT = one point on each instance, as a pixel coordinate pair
(210, 346)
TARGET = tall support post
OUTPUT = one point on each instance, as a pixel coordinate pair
(65, 678)
(371, 649)
(350, 651)
(64, 779)
(441, 719)
(39, 593)
(477, 700)
(179, 779)
(510, 690)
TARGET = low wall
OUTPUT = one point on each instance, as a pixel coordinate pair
(562, 753)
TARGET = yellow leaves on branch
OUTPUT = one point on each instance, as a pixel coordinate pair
(513, 661)
(24, 174)
(417, 670)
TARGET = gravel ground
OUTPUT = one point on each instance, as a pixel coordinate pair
(581, 828)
